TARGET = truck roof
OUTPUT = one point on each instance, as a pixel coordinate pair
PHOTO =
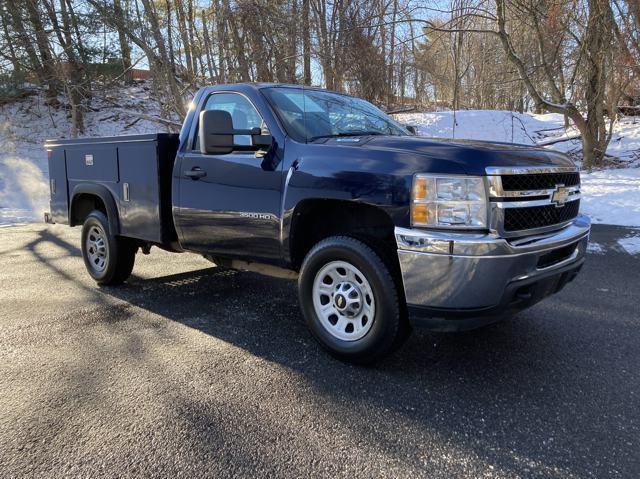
(260, 85)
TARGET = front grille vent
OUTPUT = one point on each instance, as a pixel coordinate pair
(516, 219)
(541, 181)
(556, 256)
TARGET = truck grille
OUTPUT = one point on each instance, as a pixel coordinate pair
(516, 219)
(534, 200)
(540, 181)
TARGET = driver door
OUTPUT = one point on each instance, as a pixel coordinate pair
(232, 207)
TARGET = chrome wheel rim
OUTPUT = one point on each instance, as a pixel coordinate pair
(343, 301)
(97, 251)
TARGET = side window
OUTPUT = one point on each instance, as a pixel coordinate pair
(243, 114)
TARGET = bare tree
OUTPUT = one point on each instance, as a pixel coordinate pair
(595, 41)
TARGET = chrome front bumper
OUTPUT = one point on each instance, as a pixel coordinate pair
(463, 275)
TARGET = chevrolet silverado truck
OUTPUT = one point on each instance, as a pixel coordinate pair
(383, 230)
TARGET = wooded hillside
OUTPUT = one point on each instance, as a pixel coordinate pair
(578, 58)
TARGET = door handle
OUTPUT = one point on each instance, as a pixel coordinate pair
(195, 173)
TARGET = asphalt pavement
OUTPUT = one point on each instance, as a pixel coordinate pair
(195, 371)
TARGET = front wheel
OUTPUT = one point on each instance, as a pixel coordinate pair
(350, 300)
(109, 259)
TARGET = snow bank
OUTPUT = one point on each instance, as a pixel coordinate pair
(612, 196)
(524, 128)
(488, 125)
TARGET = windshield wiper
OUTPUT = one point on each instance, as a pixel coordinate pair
(347, 133)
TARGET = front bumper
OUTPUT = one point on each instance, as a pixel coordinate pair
(456, 281)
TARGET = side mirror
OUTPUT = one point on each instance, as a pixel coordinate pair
(216, 133)
(411, 129)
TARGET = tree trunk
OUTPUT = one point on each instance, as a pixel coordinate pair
(195, 49)
(125, 48)
(238, 42)
(598, 44)
(46, 58)
(223, 63)
(76, 71)
(292, 51)
(213, 73)
(306, 43)
(15, 62)
(184, 36)
(161, 60)
(172, 57)
(392, 52)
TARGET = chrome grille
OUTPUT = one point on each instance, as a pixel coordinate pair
(532, 200)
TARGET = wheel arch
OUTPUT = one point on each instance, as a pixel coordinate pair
(87, 197)
(315, 219)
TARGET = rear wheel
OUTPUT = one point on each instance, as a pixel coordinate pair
(350, 300)
(109, 259)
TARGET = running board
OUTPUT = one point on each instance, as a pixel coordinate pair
(260, 268)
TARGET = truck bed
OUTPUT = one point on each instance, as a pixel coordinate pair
(136, 170)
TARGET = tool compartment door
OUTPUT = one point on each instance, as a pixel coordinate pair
(58, 187)
(97, 163)
(139, 192)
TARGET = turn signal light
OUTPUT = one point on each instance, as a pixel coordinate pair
(420, 189)
(423, 213)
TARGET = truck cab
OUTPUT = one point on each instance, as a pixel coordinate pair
(383, 230)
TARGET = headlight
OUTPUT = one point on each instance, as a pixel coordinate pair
(448, 202)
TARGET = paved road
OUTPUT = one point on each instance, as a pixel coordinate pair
(192, 371)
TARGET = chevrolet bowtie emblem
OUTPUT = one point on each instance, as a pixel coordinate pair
(559, 196)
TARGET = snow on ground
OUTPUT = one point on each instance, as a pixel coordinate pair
(610, 196)
(595, 248)
(23, 181)
(488, 125)
(24, 127)
(631, 243)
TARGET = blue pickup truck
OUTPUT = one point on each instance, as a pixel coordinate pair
(383, 230)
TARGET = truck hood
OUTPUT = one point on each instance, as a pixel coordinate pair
(470, 155)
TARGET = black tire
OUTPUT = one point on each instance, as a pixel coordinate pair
(389, 328)
(117, 253)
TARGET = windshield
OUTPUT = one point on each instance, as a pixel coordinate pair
(312, 114)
